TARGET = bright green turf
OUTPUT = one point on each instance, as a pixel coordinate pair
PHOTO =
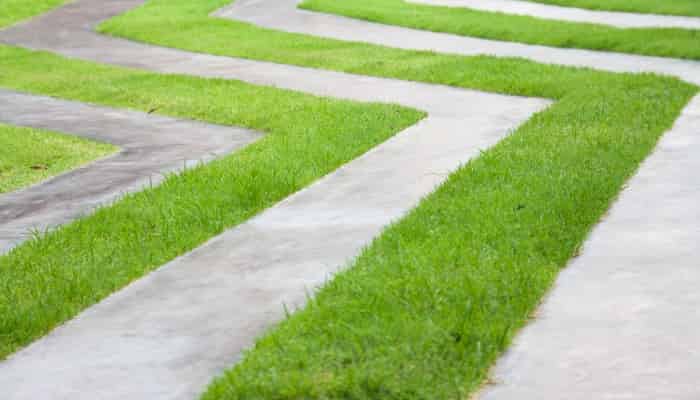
(47, 281)
(671, 7)
(29, 155)
(12, 11)
(664, 42)
(429, 306)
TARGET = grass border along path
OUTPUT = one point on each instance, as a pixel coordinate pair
(690, 8)
(28, 155)
(46, 281)
(663, 42)
(427, 308)
(12, 11)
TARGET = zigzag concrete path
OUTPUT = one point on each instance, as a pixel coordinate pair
(618, 19)
(151, 146)
(165, 313)
(168, 334)
(283, 15)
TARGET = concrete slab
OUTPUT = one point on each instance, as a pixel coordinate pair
(571, 14)
(151, 146)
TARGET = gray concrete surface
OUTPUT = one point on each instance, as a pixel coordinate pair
(547, 11)
(622, 320)
(283, 15)
(166, 335)
(151, 146)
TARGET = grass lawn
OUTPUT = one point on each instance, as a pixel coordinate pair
(671, 7)
(12, 11)
(664, 42)
(29, 155)
(427, 308)
(47, 281)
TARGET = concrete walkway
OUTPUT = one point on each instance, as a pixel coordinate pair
(618, 19)
(168, 334)
(283, 15)
(151, 146)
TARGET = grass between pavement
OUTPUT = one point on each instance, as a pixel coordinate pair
(670, 7)
(663, 42)
(46, 281)
(12, 11)
(29, 155)
(430, 304)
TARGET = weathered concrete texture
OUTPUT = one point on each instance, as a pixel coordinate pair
(618, 19)
(150, 147)
(283, 15)
(622, 320)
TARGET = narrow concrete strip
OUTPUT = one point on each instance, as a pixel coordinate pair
(151, 146)
(283, 15)
(547, 11)
(622, 320)
(167, 335)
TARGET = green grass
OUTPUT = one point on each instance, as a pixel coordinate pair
(48, 280)
(427, 308)
(671, 7)
(12, 11)
(29, 155)
(663, 42)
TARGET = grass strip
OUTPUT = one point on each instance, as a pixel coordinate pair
(28, 155)
(12, 11)
(48, 280)
(426, 309)
(663, 42)
(689, 8)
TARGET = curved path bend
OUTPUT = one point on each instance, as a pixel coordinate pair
(572, 14)
(150, 146)
(283, 15)
(166, 335)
